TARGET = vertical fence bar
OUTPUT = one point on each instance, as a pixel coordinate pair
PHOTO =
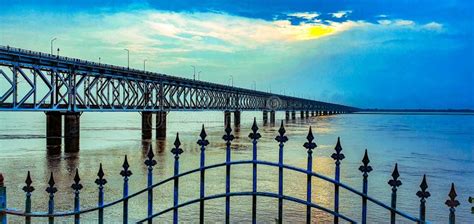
(76, 186)
(452, 203)
(51, 189)
(310, 145)
(228, 137)
(281, 138)
(176, 151)
(365, 169)
(338, 156)
(125, 173)
(203, 143)
(423, 195)
(101, 181)
(254, 136)
(3, 200)
(150, 162)
(28, 189)
(394, 182)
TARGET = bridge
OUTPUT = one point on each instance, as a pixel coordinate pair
(67, 87)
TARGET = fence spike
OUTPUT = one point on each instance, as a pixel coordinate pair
(394, 183)
(126, 172)
(177, 150)
(254, 135)
(150, 162)
(338, 156)
(51, 189)
(203, 143)
(452, 203)
(423, 195)
(281, 137)
(77, 186)
(228, 137)
(28, 188)
(101, 180)
(365, 168)
(310, 145)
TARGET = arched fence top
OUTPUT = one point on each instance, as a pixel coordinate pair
(254, 135)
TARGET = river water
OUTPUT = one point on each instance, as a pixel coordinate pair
(440, 146)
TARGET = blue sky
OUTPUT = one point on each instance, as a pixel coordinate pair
(385, 54)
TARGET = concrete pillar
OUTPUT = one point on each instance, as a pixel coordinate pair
(272, 117)
(160, 125)
(265, 117)
(226, 118)
(293, 115)
(147, 125)
(236, 118)
(325, 112)
(287, 115)
(312, 113)
(307, 114)
(71, 132)
(53, 132)
(302, 114)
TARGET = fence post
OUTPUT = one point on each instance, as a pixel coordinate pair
(281, 138)
(3, 200)
(228, 137)
(423, 195)
(51, 189)
(203, 143)
(338, 156)
(76, 186)
(394, 182)
(150, 162)
(101, 181)
(176, 151)
(452, 203)
(365, 169)
(28, 189)
(254, 136)
(310, 145)
(125, 173)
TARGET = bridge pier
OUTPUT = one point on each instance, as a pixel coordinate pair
(287, 115)
(325, 112)
(237, 118)
(226, 118)
(146, 125)
(307, 114)
(265, 117)
(301, 114)
(71, 132)
(293, 115)
(160, 125)
(272, 117)
(53, 132)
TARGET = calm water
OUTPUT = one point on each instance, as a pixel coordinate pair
(441, 146)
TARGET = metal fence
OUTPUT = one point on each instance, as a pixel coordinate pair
(310, 145)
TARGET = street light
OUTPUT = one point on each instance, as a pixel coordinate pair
(194, 74)
(199, 75)
(99, 60)
(232, 80)
(52, 40)
(128, 58)
(144, 65)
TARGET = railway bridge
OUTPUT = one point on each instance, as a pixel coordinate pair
(64, 87)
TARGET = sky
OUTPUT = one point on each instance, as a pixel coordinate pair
(363, 53)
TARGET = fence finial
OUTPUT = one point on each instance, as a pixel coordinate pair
(101, 180)
(51, 189)
(338, 156)
(150, 162)
(177, 150)
(254, 135)
(76, 185)
(281, 137)
(452, 202)
(365, 168)
(203, 135)
(228, 137)
(395, 182)
(423, 194)
(310, 145)
(125, 172)
(28, 188)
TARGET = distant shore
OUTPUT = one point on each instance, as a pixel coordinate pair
(417, 111)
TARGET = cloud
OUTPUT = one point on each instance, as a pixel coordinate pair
(305, 15)
(341, 14)
(433, 26)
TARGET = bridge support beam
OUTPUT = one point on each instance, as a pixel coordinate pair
(71, 132)
(53, 132)
(265, 117)
(272, 117)
(226, 118)
(293, 115)
(312, 113)
(302, 114)
(237, 118)
(287, 115)
(146, 125)
(160, 125)
(325, 112)
(307, 114)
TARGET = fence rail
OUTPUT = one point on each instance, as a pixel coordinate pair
(281, 138)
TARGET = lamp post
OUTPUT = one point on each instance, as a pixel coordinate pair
(144, 65)
(232, 80)
(128, 58)
(52, 41)
(199, 75)
(194, 73)
(99, 60)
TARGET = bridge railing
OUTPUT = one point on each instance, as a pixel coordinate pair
(281, 138)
